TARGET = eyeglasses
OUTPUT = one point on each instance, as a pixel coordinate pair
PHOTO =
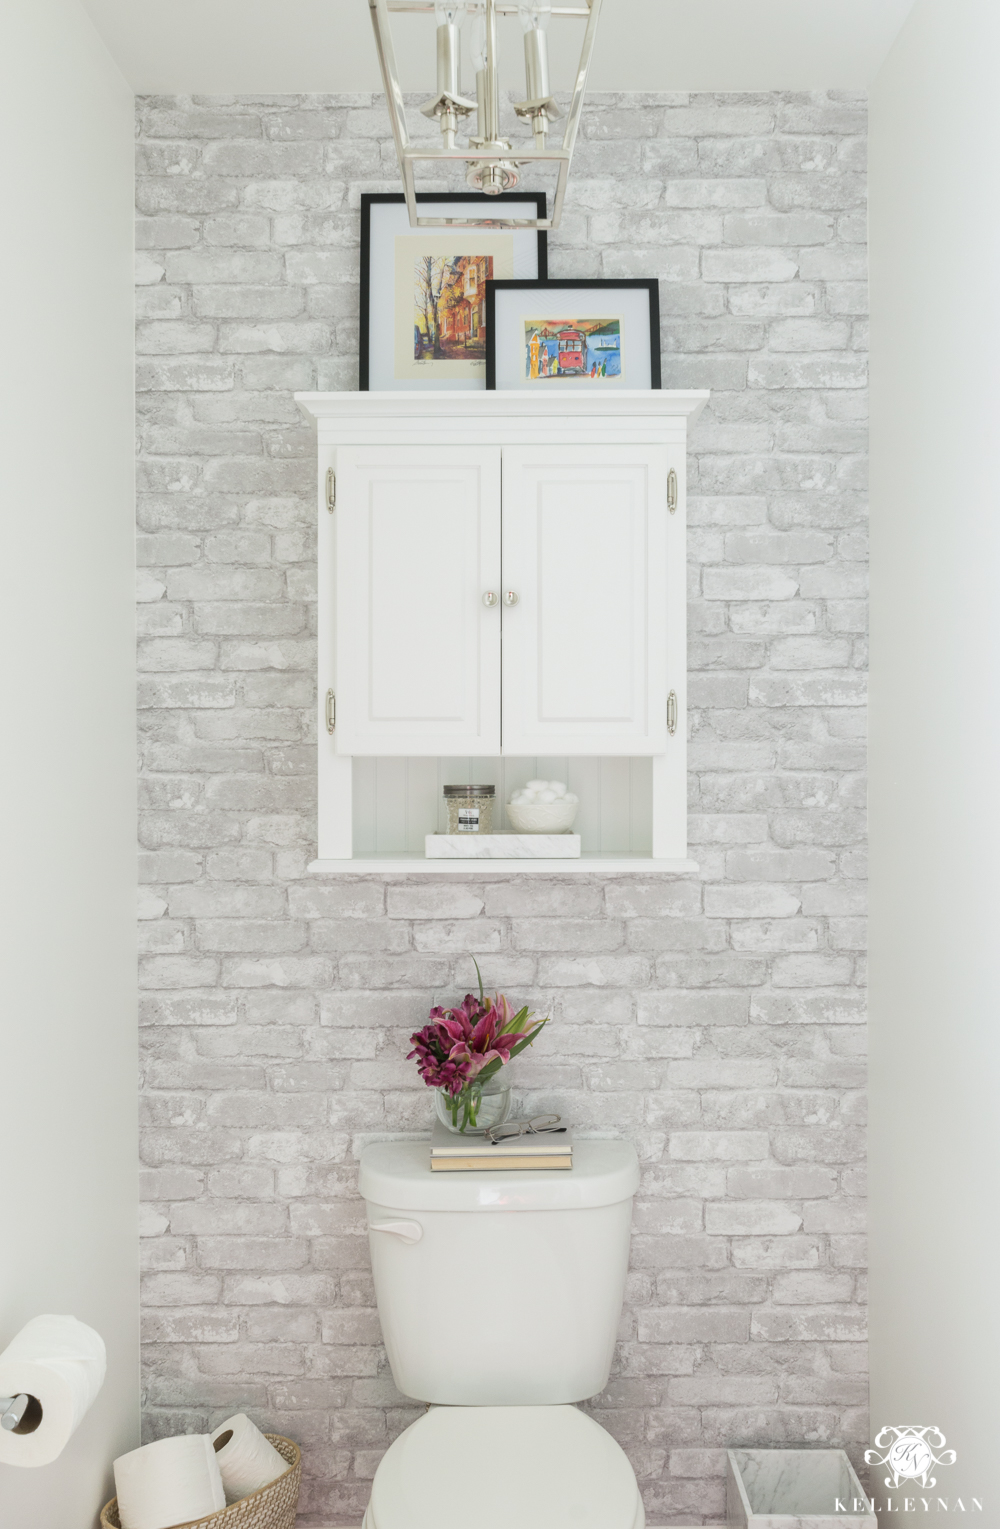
(537, 1126)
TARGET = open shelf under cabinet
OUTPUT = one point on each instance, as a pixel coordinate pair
(482, 870)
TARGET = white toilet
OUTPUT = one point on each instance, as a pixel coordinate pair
(499, 1296)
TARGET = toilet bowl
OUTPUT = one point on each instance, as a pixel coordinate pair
(496, 1467)
(499, 1296)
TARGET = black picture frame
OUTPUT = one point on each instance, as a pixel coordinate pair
(489, 205)
(563, 284)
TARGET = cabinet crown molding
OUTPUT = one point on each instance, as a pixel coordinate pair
(447, 406)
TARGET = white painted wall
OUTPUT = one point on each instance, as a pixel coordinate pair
(935, 827)
(232, 47)
(67, 796)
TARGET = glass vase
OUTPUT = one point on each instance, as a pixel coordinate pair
(476, 1108)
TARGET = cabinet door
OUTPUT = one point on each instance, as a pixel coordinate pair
(585, 646)
(418, 654)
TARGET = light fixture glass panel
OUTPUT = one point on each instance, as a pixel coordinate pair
(477, 35)
(535, 17)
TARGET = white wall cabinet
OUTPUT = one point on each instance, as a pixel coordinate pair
(501, 584)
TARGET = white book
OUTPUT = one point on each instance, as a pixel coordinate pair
(548, 1150)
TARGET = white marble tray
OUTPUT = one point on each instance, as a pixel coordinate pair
(502, 846)
(794, 1489)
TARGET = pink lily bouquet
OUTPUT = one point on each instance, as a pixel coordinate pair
(463, 1048)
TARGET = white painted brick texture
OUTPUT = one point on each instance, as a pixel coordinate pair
(718, 1020)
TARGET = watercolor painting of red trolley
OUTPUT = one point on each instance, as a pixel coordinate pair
(572, 352)
(589, 348)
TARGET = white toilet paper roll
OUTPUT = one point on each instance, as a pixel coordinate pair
(61, 1362)
(169, 1482)
(246, 1459)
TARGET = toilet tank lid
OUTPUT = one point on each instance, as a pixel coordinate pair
(397, 1175)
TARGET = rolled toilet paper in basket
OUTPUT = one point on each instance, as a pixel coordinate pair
(246, 1459)
(172, 1481)
(61, 1363)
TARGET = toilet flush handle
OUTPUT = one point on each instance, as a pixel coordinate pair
(406, 1231)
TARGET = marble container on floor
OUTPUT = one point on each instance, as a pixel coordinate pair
(795, 1489)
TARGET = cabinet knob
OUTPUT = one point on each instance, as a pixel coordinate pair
(491, 598)
(509, 597)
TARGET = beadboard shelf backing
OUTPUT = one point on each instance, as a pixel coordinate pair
(398, 801)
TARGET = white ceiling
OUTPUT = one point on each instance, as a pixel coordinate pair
(223, 47)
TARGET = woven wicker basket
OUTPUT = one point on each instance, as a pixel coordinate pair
(273, 1507)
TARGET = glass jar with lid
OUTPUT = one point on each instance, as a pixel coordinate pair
(470, 809)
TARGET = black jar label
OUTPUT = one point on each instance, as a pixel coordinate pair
(468, 820)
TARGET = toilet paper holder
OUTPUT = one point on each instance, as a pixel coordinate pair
(16, 1409)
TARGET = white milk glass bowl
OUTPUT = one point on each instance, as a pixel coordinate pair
(542, 817)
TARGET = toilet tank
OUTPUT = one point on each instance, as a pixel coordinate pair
(499, 1289)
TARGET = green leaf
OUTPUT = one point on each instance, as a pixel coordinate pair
(528, 1039)
(480, 976)
(516, 1022)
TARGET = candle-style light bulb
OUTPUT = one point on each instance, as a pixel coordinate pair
(539, 106)
(491, 175)
(534, 24)
(477, 48)
(448, 56)
(448, 105)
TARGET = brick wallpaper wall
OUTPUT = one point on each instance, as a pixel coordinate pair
(716, 1020)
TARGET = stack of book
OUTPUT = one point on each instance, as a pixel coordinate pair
(451, 1153)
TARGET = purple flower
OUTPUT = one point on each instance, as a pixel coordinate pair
(459, 1043)
(432, 1047)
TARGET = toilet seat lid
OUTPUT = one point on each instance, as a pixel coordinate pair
(536, 1467)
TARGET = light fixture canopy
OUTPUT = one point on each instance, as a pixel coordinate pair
(494, 163)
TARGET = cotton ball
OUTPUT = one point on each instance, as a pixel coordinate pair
(537, 785)
(518, 798)
(557, 788)
(546, 796)
(570, 799)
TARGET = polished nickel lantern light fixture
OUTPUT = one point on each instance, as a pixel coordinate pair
(494, 163)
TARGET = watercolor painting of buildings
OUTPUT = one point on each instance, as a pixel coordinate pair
(449, 298)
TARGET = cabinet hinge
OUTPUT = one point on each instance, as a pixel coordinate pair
(671, 491)
(331, 711)
(331, 490)
(672, 712)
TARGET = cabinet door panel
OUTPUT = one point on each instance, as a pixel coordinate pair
(584, 648)
(418, 654)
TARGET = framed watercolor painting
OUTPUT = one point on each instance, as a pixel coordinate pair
(423, 290)
(575, 335)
